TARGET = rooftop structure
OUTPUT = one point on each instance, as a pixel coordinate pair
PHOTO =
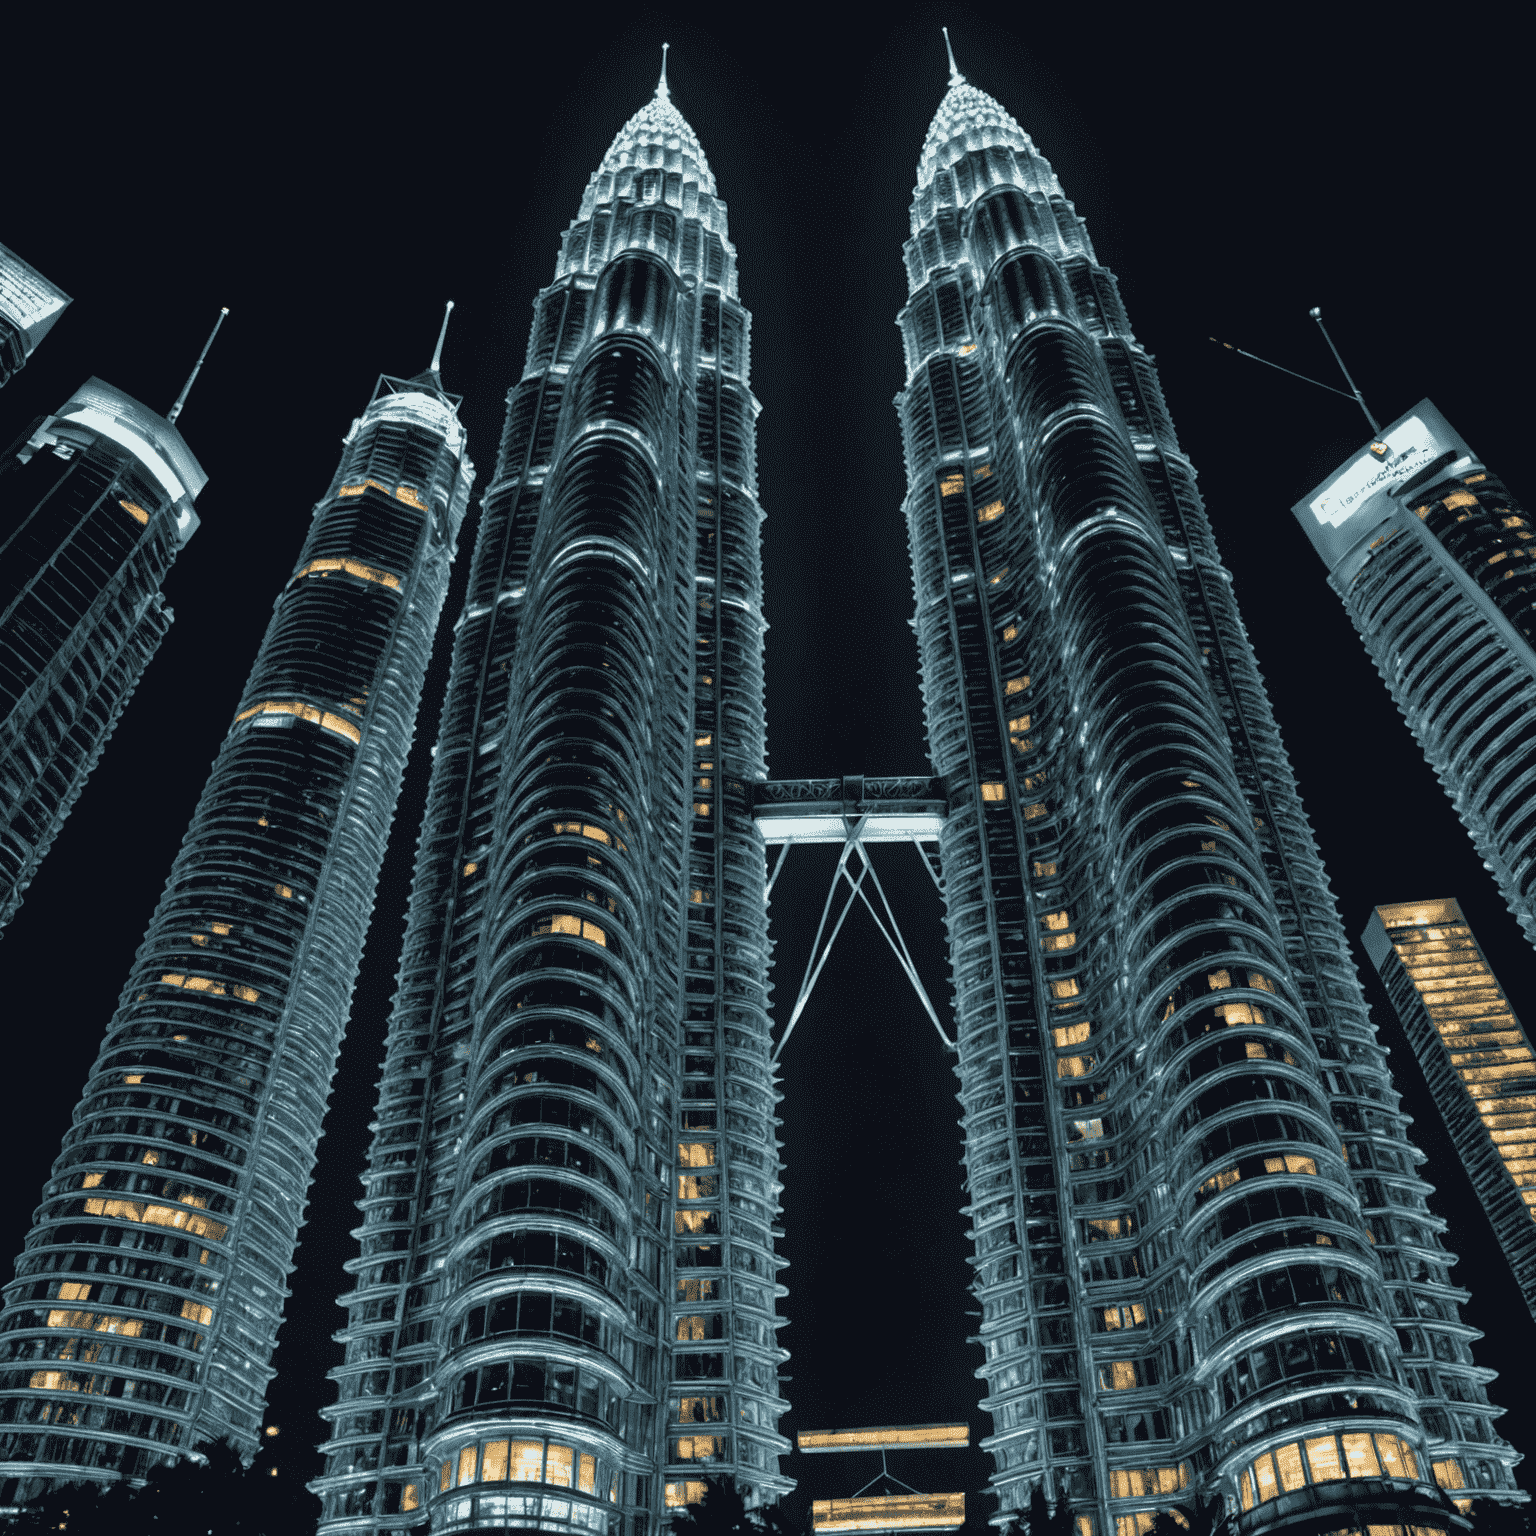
(1432, 558)
(563, 1311)
(1203, 1255)
(146, 1303)
(29, 306)
(1476, 1058)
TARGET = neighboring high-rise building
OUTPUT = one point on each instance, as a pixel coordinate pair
(1202, 1249)
(1476, 1058)
(1433, 559)
(563, 1313)
(146, 1303)
(29, 305)
(97, 503)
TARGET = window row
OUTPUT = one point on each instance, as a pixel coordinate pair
(529, 1461)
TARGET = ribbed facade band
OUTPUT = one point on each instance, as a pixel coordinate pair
(147, 1301)
(563, 1312)
(1477, 1060)
(97, 503)
(29, 307)
(1202, 1250)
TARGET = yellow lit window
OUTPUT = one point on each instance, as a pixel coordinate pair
(1264, 1478)
(445, 1481)
(135, 511)
(982, 472)
(691, 1329)
(1018, 725)
(410, 1497)
(173, 979)
(969, 347)
(245, 994)
(75, 1290)
(1033, 812)
(471, 867)
(410, 496)
(1086, 1130)
(261, 821)
(1056, 920)
(1220, 1181)
(1015, 685)
(1360, 1455)
(993, 581)
(467, 1458)
(1292, 1162)
(568, 922)
(698, 1447)
(1245, 1487)
(1288, 1463)
(691, 1221)
(951, 485)
(1067, 988)
(356, 568)
(493, 1466)
(1072, 1034)
(704, 741)
(221, 928)
(526, 1464)
(994, 790)
(196, 1312)
(1323, 1458)
(698, 1290)
(1448, 1473)
(1044, 868)
(559, 1467)
(701, 808)
(1216, 821)
(699, 1410)
(1118, 1375)
(586, 1477)
(1011, 632)
(1075, 1066)
(1216, 980)
(681, 1494)
(285, 891)
(1132, 1316)
(1460, 499)
(131, 1077)
(990, 513)
(1108, 1226)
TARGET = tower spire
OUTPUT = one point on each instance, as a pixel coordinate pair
(437, 355)
(186, 389)
(661, 84)
(955, 77)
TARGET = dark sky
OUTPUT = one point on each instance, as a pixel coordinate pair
(335, 188)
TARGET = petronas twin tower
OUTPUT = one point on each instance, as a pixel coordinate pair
(1203, 1256)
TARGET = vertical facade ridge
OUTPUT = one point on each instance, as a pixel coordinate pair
(1190, 1183)
(564, 1307)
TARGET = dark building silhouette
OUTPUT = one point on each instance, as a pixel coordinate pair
(147, 1301)
(96, 503)
(563, 1311)
(1432, 557)
(1477, 1060)
(29, 306)
(1202, 1250)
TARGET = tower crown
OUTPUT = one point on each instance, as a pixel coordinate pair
(968, 120)
(658, 137)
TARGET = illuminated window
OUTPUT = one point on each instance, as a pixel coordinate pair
(135, 511)
(703, 741)
(680, 1494)
(568, 922)
(993, 581)
(1292, 1162)
(1360, 1455)
(526, 1463)
(701, 1410)
(1072, 1034)
(285, 891)
(221, 928)
(586, 1477)
(990, 513)
(1044, 868)
(196, 1312)
(1219, 1181)
(1118, 1375)
(1011, 632)
(559, 1466)
(951, 484)
(357, 490)
(1033, 812)
(1448, 1473)
(1067, 988)
(699, 1447)
(1015, 685)
(993, 790)
(351, 568)
(410, 496)
(1132, 1316)
(1459, 499)
(1288, 1462)
(471, 867)
(493, 1467)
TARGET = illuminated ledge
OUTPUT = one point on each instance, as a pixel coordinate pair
(885, 1438)
(890, 1512)
(782, 824)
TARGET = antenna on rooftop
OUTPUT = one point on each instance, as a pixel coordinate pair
(661, 85)
(437, 356)
(955, 77)
(186, 389)
(1317, 315)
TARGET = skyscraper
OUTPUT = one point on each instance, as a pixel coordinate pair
(29, 305)
(563, 1312)
(98, 503)
(1202, 1250)
(147, 1301)
(1476, 1058)
(1431, 556)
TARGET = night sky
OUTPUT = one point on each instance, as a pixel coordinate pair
(333, 189)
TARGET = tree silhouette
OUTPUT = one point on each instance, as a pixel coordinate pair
(217, 1497)
(723, 1512)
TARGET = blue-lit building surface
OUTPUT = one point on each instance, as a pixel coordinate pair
(1432, 558)
(29, 307)
(146, 1303)
(563, 1310)
(95, 503)
(1203, 1256)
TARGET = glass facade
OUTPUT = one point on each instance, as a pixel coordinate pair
(146, 1303)
(29, 306)
(1203, 1256)
(563, 1309)
(1477, 1060)
(97, 504)
(1432, 557)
